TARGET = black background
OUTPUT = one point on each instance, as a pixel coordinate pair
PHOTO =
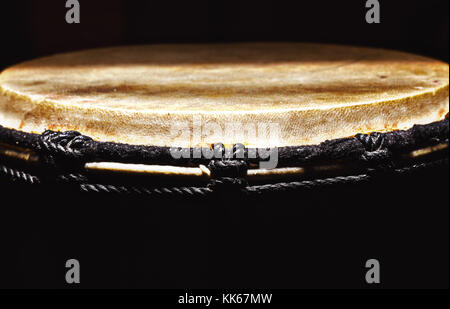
(315, 241)
(36, 28)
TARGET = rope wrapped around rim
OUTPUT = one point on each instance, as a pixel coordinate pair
(65, 153)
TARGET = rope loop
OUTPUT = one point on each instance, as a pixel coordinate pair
(227, 184)
(63, 148)
(228, 174)
(371, 142)
(374, 158)
(228, 168)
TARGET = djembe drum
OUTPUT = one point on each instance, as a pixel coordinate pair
(207, 136)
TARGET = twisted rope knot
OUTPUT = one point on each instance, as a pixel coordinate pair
(377, 158)
(379, 162)
(228, 168)
(63, 148)
(227, 175)
(371, 142)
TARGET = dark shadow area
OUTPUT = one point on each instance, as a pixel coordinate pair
(38, 28)
(317, 239)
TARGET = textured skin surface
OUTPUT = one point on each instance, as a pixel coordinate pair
(139, 94)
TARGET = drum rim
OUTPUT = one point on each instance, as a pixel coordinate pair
(375, 151)
(72, 144)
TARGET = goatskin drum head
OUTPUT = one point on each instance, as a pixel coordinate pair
(143, 94)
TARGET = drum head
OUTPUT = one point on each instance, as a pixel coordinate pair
(260, 95)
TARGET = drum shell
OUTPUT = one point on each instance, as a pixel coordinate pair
(318, 238)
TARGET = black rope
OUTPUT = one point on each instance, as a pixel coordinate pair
(18, 175)
(73, 148)
(27, 178)
(63, 147)
(64, 155)
(155, 192)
